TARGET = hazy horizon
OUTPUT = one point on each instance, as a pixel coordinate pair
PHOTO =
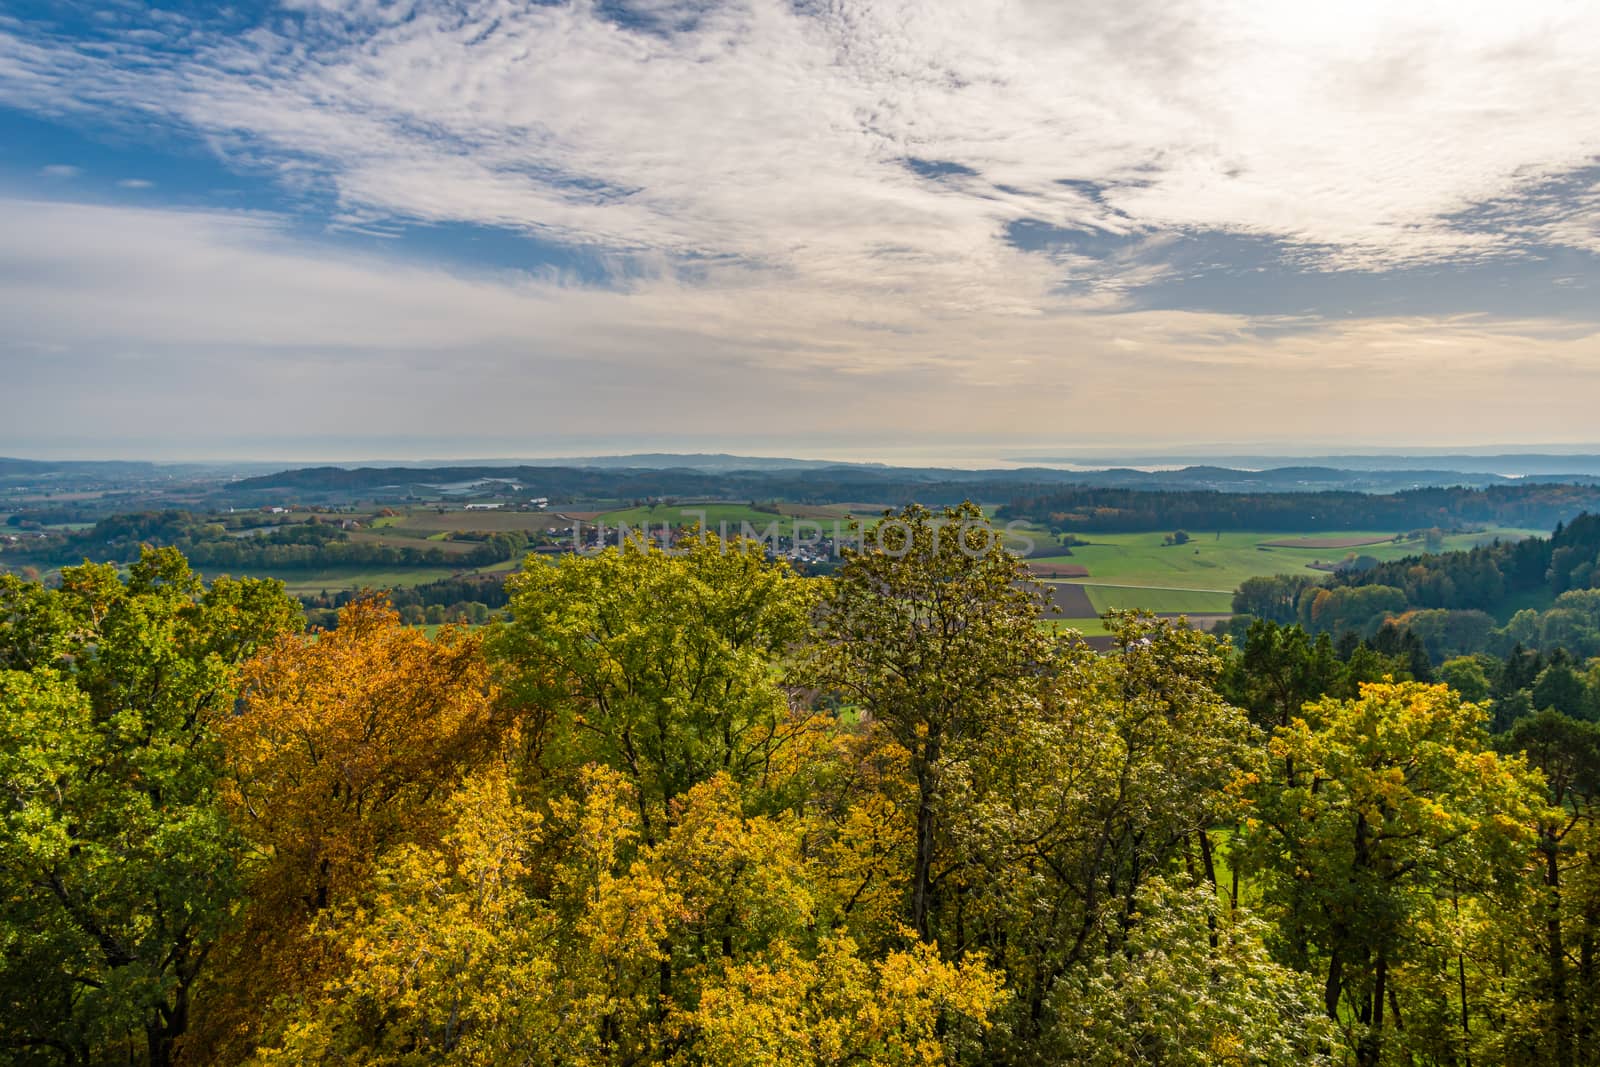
(964, 455)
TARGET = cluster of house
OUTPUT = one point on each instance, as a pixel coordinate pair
(538, 503)
(589, 539)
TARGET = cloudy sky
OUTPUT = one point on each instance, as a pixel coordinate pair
(434, 228)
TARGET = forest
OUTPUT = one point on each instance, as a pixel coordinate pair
(213, 545)
(1450, 600)
(683, 806)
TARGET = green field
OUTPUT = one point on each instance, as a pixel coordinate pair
(430, 522)
(1159, 600)
(315, 581)
(1218, 563)
(1086, 627)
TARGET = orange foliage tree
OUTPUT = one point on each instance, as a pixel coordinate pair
(342, 747)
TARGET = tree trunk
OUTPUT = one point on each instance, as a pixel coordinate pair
(1370, 1049)
(922, 875)
(1555, 947)
(1334, 987)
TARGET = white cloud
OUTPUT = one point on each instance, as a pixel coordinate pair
(59, 170)
(775, 132)
(215, 326)
(779, 265)
(135, 183)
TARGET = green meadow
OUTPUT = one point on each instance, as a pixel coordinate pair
(1218, 563)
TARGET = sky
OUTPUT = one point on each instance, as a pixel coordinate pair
(869, 227)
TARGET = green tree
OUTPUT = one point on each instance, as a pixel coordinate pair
(930, 633)
(1193, 985)
(1379, 814)
(1272, 598)
(118, 867)
(1562, 688)
(1465, 674)
(1561, 1011)
(1117, 773)
(660, 664)
(1279, 670)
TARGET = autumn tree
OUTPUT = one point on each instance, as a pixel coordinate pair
(342, 747)
(664, 664)
(535, 939)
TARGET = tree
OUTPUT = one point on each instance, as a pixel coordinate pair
(1271, 598)
(1564, 997)
(1117, 774)
(536, 938)
(118, 867)
(1560, 687)
(342, 749)
(448, 959)
(1194, 985)
(1465, 674)
(1279, 670)
(660, 664)
(907, 1008)
(1378, 813)
(928, 633)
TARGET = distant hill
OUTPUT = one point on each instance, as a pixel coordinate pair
(21, 468)
(724, 475)
(1505, 464)
(700, 461)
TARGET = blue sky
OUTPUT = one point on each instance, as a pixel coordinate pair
(799, 224)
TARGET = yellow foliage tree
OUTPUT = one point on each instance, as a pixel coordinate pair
(537, 939)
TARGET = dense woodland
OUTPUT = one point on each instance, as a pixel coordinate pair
(1451, 600)
(690, 808)
(216, 545)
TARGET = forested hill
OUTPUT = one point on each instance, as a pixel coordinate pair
(1482, 577)
(567, 483)
(1039, 489)
(1106, 510)
(1538, 593)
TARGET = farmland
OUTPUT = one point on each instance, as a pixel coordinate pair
(1218, 563)
(433, 521)
(306, 583)
(1138, 570)
(408, 546)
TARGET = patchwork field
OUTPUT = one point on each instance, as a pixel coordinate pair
(1070, 601)
(310, 582)
(1057, 570)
